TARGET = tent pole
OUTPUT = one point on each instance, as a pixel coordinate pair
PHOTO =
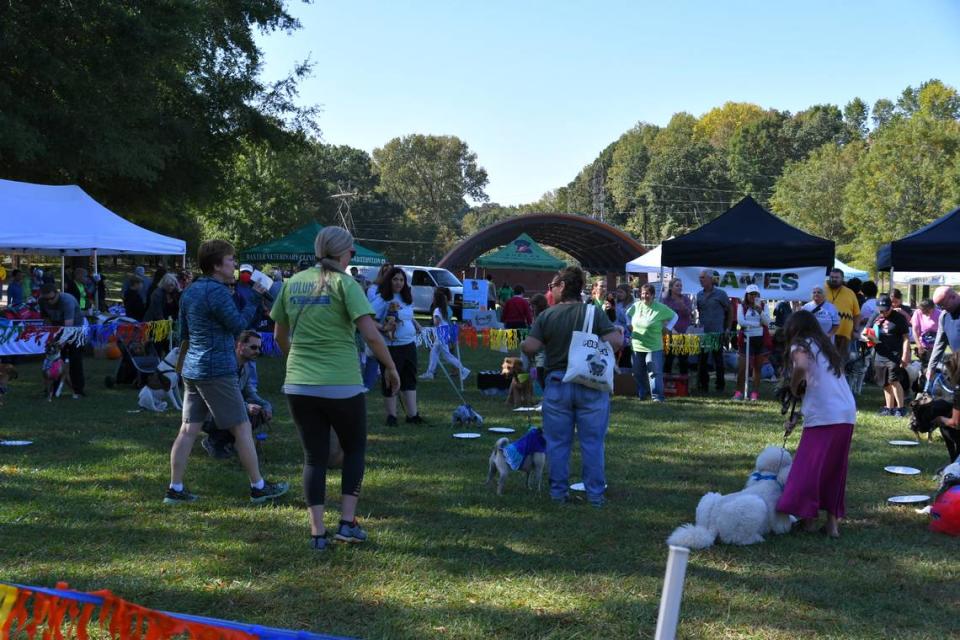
(746, 370)
(96, 286)
(183, 261)
(63, 271)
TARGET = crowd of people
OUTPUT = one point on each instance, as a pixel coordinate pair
(324, 313)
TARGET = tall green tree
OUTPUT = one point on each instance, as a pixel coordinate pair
(631, 155)
(685, 185)
(906, 179)
(431, 176)
(757, 153)
(855, 115)
(814, 127)
(143, 104)
(811, 193)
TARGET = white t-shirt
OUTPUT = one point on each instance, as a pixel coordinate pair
(752, 321)
(442, 322)
(406, 330)
(827, 399)
(827, 315)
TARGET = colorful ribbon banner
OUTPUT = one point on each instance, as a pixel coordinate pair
(690, 344)
(496, 339)
(61, 614)
(97, 335)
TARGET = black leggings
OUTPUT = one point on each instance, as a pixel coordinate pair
(951, 437)
(314, 417)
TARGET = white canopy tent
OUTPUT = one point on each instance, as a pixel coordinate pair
(647, 263)
(64, 221)
(848, 271)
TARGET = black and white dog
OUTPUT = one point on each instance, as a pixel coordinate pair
(167, 369)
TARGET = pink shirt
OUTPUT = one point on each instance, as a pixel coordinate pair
(922, 324)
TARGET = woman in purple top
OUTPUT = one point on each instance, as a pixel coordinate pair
(924, 322)
(681, 305)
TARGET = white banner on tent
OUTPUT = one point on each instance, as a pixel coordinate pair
(775, 284)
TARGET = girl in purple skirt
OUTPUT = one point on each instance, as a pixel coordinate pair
(818, 477)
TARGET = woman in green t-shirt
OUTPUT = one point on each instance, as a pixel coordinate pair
(648, 320)
(317, 315)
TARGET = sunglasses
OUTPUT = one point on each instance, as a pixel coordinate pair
(253, 347)
(555, 284)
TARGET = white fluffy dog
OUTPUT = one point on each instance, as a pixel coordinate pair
(152, 399)
(743, 517)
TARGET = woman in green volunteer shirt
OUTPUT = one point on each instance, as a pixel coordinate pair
(647, 320)
(317, 315)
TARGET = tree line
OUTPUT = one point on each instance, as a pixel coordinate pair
(859, 175)
(159, 112)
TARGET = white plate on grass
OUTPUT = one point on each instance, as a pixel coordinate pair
(536, 409)
(903, 443)
(501, 430)
(902, 471)
(15, 443)
(908, 499)
(467, 435)
(578, 486)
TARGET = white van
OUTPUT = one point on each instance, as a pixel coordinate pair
(425, 280)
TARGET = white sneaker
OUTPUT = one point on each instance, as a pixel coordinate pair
(426, 376)
(464, 373)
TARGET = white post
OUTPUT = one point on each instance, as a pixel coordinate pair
(746, 370)
(63, 271)
(96, 285)
(672, 593)
(457, 345)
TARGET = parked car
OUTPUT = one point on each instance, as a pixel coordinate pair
(425, 280)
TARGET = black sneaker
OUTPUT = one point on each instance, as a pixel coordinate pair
(270, 491)
(178, 497)
(415, 419)
(391, 421)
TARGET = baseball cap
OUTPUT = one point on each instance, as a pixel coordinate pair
(884, 302)
(246, 267)
(752, 289)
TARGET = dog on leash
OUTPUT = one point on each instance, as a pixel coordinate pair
(167, 370)
(55, 371)
(743, 517)
(521, 387)
(526, 455)
(8, 372)
(924, 411)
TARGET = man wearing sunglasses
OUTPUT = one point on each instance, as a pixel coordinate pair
(219, 441)
(63, 310)
(948, 330)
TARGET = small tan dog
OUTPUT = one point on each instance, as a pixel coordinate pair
(521, 387)
(8, 372)
(498, 462)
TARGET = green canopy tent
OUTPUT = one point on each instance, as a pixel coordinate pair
(521, 254)
(298, 245)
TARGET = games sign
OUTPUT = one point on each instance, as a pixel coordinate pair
(774, 284)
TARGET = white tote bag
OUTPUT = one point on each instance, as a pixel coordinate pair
(590, 360)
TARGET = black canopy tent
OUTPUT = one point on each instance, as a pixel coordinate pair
(932, 248)
(748, 235)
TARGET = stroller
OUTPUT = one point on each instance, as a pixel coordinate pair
(138, 361)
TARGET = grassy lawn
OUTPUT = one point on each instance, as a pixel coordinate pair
(447, 557)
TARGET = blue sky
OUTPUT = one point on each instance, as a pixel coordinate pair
(538, 89)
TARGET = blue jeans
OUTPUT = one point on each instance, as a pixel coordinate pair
(567, 405)
(371, 371)
(648, 372)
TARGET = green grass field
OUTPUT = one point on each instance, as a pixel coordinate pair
(447, 557)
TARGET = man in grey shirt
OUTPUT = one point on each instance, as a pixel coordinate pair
(63, 310)
(714, 313)
(219, 441)
(948, 330)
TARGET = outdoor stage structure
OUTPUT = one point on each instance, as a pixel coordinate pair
(599, 247)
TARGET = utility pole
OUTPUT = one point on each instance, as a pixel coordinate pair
(599, 195)
(344, 199)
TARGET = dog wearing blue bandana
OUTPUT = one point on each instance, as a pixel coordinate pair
(746, 516)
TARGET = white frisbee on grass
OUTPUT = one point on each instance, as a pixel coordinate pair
(578, 486)
(536, 409)
(466, 435)
(501, 430)
(15, 443)
(902, 471)
(903, 443)
(908, 499)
